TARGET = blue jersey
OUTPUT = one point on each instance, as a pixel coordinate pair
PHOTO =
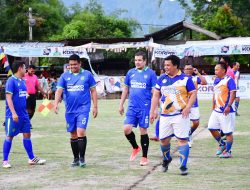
(222, 89)
(16, 87)
(174, 93)
(140, 83)
(77, 90)
(196, 81)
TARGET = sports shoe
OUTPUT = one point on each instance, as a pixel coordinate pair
(165, 164)
(220, 150)
(36, 161)
(134, 153)
(226, 155)
(154, 138)
(6, 164)
(144, 161)
(75, 162)
(184, 170)
(82, 163)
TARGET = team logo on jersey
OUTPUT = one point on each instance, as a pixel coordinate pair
(82, 78)
(164, 81)
(68, 78)
(145, 76)
(18, 84)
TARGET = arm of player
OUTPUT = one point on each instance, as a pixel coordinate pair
(203, 79)
(191, 100)
(11, 106)
(94, 100)
(154, 105)
(123, 98)
(58, 96)
(39, 88)
(213, 106)
(230, 102)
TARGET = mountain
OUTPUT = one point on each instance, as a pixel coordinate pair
(146, 12)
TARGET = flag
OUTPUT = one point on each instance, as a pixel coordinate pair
(5, 63)
(45, 107)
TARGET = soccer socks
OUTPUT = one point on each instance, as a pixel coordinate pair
(165, 152)
(192, 130)
(28, 147)
(157, 128)
(228, 146)
(131, 139)
(220, 141)
(236, 105)
(144, 145)
(74, 147)
(184, 152)
(6, 149)
(82, 143)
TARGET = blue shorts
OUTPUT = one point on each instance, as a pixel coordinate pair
(13, 128)
(137, 117)
(75, 121)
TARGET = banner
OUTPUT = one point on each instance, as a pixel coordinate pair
(113, 84)
(63, 52)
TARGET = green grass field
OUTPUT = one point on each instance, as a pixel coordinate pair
(108, 152)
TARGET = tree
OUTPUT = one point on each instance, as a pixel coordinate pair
(93, 23)
(49, 14)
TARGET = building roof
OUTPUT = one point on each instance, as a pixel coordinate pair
(175, 29)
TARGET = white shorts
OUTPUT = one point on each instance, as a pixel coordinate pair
(174, 126)
(222, 122)
(194, 114)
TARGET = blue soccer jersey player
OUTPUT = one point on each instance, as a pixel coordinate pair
(223, 115)
(77, 86)
(139, 83)
(194, 115)
(16, 117)
(177, 93)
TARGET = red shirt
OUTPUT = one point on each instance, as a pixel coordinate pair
(32, 83)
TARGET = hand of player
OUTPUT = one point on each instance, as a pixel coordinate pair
(44, 95)
(195, 71)
(121, 109)
(56, 109)
(185, 112)
(15, 117)
(227, 110)
(153, 116)
(95, 112)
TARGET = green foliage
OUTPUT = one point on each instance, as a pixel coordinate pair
(50, 18)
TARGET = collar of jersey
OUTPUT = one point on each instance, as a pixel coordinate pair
(178, 74)
(81, 71)
(16, 77)
(145, 68)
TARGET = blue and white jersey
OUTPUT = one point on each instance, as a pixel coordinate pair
(140, 83)
(237, 78)
(196, 81)
(77, 90)
(16, 87)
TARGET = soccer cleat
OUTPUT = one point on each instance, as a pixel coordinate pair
(220, 150)
(184, 170)
(82, 163)
(36, 161)
(226, 155)
(154, 138)
(144, 161)
(134, 153)
(75, 162)
(165, 164)
(6, 164)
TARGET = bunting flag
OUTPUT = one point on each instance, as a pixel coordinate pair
(45, 107)
(5, 63)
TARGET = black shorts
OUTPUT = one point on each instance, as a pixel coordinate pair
(31, 102)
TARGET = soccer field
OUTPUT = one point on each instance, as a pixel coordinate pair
(108, 152)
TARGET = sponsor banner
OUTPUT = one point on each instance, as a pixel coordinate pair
(113, 84)
(100, 86)
(64, 52)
